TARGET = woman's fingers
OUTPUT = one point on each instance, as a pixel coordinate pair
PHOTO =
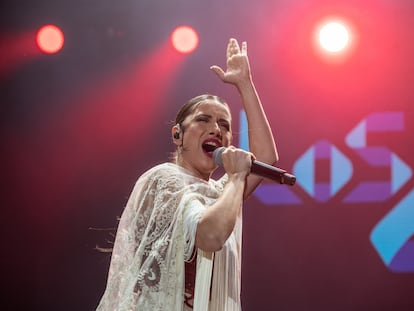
(220, 72)
(244, 48)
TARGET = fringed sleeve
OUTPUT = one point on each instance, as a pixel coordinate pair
(155, 235)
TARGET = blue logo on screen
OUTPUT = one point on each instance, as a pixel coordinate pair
(391, 237)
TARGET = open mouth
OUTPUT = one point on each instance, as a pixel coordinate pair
(210, 145)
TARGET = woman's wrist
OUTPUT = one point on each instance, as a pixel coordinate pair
(245, 85)
(238, 176)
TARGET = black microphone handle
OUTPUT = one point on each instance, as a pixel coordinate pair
(273, 173)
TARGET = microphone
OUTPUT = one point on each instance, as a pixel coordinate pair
(261, 169)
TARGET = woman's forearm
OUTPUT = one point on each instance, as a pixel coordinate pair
(218, 221)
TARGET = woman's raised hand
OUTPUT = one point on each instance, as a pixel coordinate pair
(238, 68)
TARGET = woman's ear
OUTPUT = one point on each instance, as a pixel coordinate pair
(176, 134)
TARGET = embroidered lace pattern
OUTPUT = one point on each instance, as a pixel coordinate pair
(156, 236)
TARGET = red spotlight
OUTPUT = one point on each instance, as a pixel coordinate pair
(184, 39)
(50, 39)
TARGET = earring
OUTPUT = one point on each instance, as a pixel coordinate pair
(178, 130)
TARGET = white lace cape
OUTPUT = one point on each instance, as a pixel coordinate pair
(156, 235)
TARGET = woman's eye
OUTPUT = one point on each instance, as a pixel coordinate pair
(226, 126)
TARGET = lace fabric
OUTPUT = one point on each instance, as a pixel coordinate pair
(156, 236)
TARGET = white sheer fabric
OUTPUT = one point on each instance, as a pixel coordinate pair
(156, 235)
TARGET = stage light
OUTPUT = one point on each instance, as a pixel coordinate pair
(50, 39)
(333, 37)
(184, 39)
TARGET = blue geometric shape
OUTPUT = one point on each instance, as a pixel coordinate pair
(341, 170)
(357, 137)
(403, 260)
(400, 173)
(304, 169)
(394, 231)
(377, 156)
(243, 132)
(390, 121)
(276, 194)
(322, 191)
(369, 191)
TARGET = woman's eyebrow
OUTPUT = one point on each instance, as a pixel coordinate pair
(205, 115)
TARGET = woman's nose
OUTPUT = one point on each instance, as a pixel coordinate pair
(216, 130)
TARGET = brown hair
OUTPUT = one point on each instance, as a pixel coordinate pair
(189, 107)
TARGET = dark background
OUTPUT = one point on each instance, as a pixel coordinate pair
(79, 127)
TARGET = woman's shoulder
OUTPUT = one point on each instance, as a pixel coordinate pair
(163, 170)
(159, 176)
(172, 173)
(168, 172)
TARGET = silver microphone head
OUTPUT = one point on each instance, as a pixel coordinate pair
(217, 156)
